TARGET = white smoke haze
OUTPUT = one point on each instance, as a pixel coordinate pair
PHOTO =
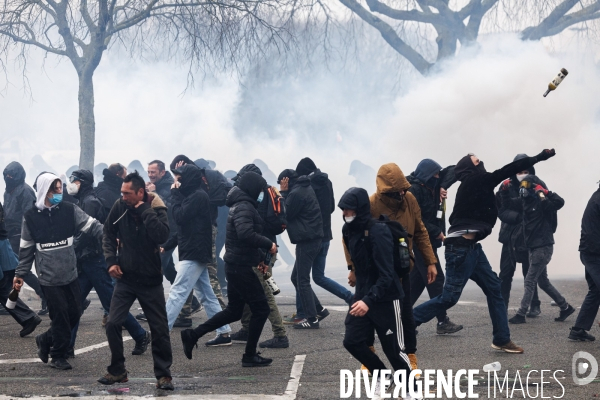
(487, 101)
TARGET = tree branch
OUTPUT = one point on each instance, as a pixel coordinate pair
(537, 32)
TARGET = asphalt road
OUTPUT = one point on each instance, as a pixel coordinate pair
(218, 371)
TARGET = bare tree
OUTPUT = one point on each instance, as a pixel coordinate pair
(205, 33)
(402, 23)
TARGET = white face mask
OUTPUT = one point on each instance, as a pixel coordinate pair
(521, 177)
(349, 219)
(72, 188)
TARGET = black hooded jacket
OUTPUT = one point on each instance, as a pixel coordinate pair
(323, 189)
(86, 245)
(244, 244)
(426, 190)
(109, 190)
(191, 212)
(539, 216)
(304, 218)
(18, 198)
(475, 205)
(590, 226)
(376, 280)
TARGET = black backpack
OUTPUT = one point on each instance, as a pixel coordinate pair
(402, 256)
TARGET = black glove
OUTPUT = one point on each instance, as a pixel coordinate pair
(546, 154)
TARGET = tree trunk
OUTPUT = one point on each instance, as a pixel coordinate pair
(87, 122)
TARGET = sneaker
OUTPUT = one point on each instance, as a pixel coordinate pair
(44, 309)
(70, 353)
(255, 361)
(189, 341)
(291, 320)
(509, 347)
(60, 363)
(306, 324)
(141, 345)
(240, 336)
(141, 317)
(43, 347)
(220, 340)
(30, 325)
(278, 342)
(413, 364)
(165, 383)
(321, 315)
(362, 366)
(517, 319)
(110, 379)
(534, 311)
(182, 323)
(564, 314)
(447, 327)
(580, 335)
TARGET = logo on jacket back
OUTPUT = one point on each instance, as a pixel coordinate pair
(55, 245)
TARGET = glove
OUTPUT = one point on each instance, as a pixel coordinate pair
(505, 185)
(540, 188)
(546, 154)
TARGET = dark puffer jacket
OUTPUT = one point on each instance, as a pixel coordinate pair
(540, 216)
(191, 211)
(590, 226)
(244, 244)
(302, 211)
(109, 190)
(18, 198)
(376, 280)
(86, 245)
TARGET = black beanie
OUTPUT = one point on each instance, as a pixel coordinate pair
(305, 167)
(176, 160)
(252, 183)
(287, 173)
(247, 168)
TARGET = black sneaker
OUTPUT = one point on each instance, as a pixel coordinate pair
(109, 379)
(43, 347)
(44, 310)
(564, 314)
(321, 315)
(306, 324)
(60, 363)
(141, 317)
(517, 319)
(30, 325)
(240, 336)
(579, 335)
(278, 342)
(182, 323)
(70, 353)
(165, 383)
(534, 312)
(220, 340)
(255, 361)
(189, 341)
(447, 327)
(142, 345)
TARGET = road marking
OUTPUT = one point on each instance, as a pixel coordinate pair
(294, 383)
(77, 352)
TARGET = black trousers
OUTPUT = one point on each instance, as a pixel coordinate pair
(21, 313)
(589, 308)
(385, 318)
(243, 287)
(508, 265)
(64, 306)
(152, 300)
(418, 281)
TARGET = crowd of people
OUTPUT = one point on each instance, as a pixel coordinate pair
(118, 237)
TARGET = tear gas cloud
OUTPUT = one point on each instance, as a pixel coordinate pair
(487, 101)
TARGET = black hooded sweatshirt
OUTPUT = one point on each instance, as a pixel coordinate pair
(376, 280)
(86, 245)
(475, 205)
(191, 212)
(244, 244)
(590, 226)
(323, 190)
(18, 198)
(539, 216)
(304, 218)
(109, 190)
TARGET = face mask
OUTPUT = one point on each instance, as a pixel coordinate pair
(72, 188)
(261, 196)
(55, 199)
(349, 219)
(521, 177)
(396, 196)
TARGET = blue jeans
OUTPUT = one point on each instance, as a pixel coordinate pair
(94, 274)
(192, 275)
(464, 263)
(318, 276)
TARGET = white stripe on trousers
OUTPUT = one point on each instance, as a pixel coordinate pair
(400, 332)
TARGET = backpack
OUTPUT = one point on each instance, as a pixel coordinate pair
(402, 256)
(275, 212)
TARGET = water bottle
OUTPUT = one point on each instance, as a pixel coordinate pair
(495, 366)
(404, 253)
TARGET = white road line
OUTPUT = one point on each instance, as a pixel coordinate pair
(294, 382)
(77, 352)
